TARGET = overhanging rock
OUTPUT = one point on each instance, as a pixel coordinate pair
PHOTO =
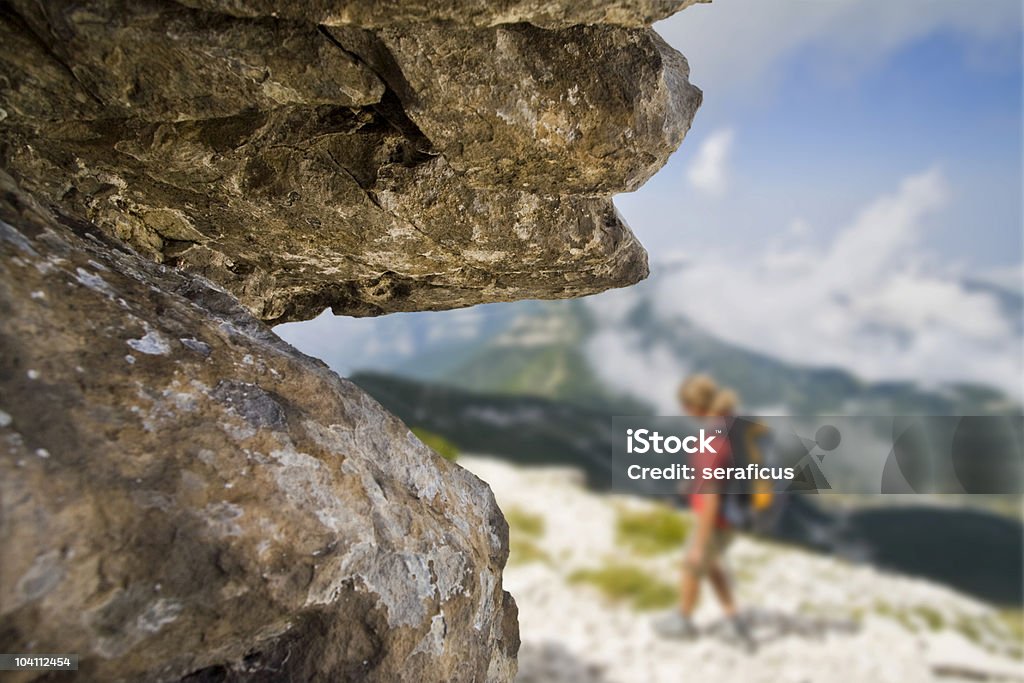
(328, 154)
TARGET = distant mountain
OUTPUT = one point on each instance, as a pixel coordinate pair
(540, 349)
(521, 429)
(624, 352)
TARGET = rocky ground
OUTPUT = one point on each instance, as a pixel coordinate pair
(590, 572)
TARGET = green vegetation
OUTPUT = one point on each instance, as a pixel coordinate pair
(524, 529)
(912, 618)
(931, 617)
(622, 582)
(1013, 619)
(651, 532)
(1008, 628)
(1003, 633)
(440, 445)
(523, 551)
(525, 523)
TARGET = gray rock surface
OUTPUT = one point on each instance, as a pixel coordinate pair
(588, 109)
(377, 13)
(185, 496)
(182, 495)
(369, 157)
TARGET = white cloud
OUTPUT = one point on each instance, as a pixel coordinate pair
(880, 239)
(737, 45)
(624, 360)
(709, 172)
(862, 303)
(1010, 277)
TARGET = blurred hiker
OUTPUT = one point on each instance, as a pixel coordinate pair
(703, 557)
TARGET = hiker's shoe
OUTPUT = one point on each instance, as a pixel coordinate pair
(676, 625)
(738, 631)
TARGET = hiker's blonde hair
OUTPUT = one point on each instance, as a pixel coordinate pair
(724, 402)
(698, 391)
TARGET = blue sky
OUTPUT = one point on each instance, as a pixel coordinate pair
(830, 103)
(853, 163)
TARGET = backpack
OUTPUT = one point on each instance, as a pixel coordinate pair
(748, 504)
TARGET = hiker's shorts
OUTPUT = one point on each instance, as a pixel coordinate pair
(717, 545)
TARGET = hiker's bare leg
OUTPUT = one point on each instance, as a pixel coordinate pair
(723, 587)
(689, 590)
(678, 624)
(697, 554)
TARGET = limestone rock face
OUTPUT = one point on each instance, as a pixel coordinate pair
(376, 13)
(183, 496)
(587, 109)
(366, 156)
